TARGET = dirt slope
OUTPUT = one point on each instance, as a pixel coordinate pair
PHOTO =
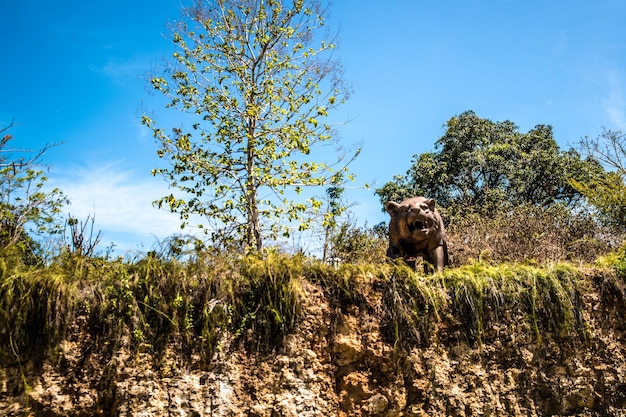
(340, 362)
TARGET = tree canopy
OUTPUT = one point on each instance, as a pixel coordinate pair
(259, 82)
(479, 165)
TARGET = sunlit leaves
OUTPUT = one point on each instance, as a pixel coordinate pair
(254, 75)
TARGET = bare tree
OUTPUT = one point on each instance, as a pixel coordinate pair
(607, 192)
(609, 149)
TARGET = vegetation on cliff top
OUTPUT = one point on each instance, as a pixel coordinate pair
(194, 304)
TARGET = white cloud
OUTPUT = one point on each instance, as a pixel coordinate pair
(615, 104)
(123, 71)
(121, 203)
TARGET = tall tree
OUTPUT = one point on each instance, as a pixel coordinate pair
(260, 82)
(480, 165)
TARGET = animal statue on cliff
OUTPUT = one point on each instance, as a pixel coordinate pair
(415, 230)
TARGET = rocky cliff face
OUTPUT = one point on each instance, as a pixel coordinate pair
(340, 362)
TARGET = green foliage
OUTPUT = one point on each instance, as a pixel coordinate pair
(335, 208)
(344, 284)
(254, 78)
(607, 193)
(271, 298)
(34, 305)
(615, 260)
(27, 209)
(484, 166)
(412, 307)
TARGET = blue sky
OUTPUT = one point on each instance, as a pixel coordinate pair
(74, 72)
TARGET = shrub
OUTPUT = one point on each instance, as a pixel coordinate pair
(529, 233)
(355, 244)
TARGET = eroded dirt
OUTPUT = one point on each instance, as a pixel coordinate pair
(340, 363)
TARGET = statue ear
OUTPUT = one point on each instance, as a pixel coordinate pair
(431, 204)
(392, 208)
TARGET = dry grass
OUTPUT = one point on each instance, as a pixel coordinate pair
(530, 234)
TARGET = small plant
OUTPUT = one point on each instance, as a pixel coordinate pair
(270, 301)
(82, 241)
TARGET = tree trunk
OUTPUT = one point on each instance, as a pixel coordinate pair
(253, 228)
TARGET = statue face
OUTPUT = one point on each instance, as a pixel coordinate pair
(416, 229)
(414, 218)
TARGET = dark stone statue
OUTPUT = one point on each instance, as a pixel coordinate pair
(416, 230)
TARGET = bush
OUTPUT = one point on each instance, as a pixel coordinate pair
(355, 244)
(530, 233)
